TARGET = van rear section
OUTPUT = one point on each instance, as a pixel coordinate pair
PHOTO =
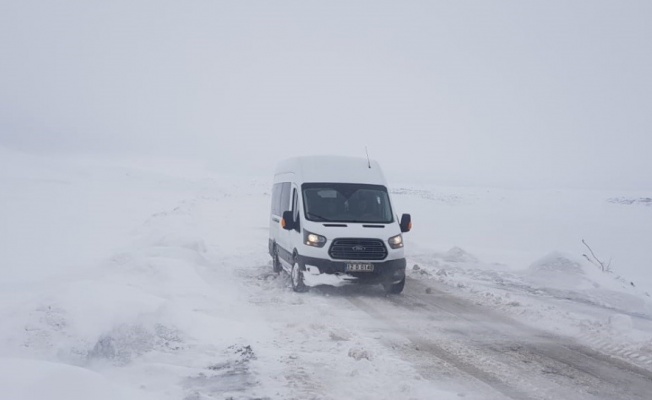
(332, 223)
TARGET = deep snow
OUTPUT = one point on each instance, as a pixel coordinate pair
(150, 279)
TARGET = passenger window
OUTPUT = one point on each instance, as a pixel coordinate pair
(285, 197)
(276, 199)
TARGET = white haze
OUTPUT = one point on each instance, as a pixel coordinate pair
(547, 93)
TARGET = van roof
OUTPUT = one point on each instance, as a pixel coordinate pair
(330, 169)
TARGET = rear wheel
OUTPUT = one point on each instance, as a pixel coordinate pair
(394, 288)
(296, 276)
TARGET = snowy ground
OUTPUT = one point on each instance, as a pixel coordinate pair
(150, 280)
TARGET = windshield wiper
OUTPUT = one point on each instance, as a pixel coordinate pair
(367, 221)
(317, 216)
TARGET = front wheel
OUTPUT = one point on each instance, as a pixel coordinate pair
(296, 276)
(394, 288)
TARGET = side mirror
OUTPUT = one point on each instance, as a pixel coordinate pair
(287, 222)
(406, 223)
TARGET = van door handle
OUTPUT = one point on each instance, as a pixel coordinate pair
(276, 219)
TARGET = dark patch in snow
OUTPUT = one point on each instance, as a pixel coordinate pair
(125, 342)
(645, 201)
(231, 378)
(359, 354)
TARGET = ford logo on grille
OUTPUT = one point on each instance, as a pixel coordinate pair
(358, 248)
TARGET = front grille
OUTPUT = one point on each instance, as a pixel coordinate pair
(358, 249)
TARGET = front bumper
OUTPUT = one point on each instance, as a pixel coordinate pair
(319, 271)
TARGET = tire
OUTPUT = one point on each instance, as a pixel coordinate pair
(276, 263)
(394, 288)
(296, 277)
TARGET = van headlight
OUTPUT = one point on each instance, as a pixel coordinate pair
(313, 239)
(396, 242)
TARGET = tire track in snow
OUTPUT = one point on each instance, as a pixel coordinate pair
(620, 350)
(421, 350)
(462, 309)
(566, 366)
(638, 354)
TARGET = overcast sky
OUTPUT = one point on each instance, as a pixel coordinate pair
(488, 92)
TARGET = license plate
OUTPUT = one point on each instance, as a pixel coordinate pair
(359, 267)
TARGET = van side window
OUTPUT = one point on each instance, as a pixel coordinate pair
(285, 197)
(276, 199)
(280, 198)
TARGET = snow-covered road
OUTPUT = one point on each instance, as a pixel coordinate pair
(172, 296)
(497, 356)
(429, 340)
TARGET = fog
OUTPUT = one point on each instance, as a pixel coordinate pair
(546, 93)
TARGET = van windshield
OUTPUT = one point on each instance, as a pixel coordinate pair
(346, 202)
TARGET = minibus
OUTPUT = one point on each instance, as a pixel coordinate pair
(332, 222)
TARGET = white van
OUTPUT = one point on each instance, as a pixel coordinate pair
(332, 223)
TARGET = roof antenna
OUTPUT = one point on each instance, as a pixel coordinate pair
(368, 161)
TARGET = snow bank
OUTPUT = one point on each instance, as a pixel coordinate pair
(37, 380)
